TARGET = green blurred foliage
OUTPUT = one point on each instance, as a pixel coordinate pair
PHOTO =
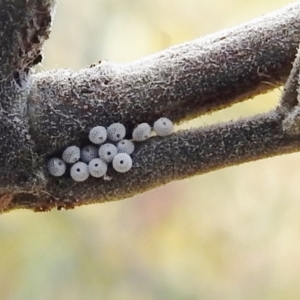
(230, 234)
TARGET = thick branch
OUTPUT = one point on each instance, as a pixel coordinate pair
(180, 82)
(24, 26)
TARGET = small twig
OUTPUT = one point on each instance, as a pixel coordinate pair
(289, 98)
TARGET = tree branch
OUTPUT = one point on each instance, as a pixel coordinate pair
(180, 82)
(24, 26)
(181, 155)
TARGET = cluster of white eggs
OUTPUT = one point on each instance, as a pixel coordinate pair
(107, 146)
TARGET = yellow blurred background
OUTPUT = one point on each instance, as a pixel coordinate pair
(230, 234)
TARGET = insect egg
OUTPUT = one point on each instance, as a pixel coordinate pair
(107, 152)
(163, 127)
(79, 171)
(141, 132)
(122, 162)
(116, 132)
(56, 167)
(98, 135)
(71, 154)
(97, 167)
(125, 146)
(88, 153)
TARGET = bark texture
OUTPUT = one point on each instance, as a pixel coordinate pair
(43, 113)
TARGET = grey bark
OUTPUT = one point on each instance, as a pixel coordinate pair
(43, 113)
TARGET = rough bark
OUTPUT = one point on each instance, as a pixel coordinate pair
(43, 113)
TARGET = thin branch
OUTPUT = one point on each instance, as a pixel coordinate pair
(290, 95)
(162, 160)
(290, 100)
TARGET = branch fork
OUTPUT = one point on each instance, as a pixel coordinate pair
(41, 114)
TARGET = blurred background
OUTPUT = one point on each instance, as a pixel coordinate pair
(230, 234)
